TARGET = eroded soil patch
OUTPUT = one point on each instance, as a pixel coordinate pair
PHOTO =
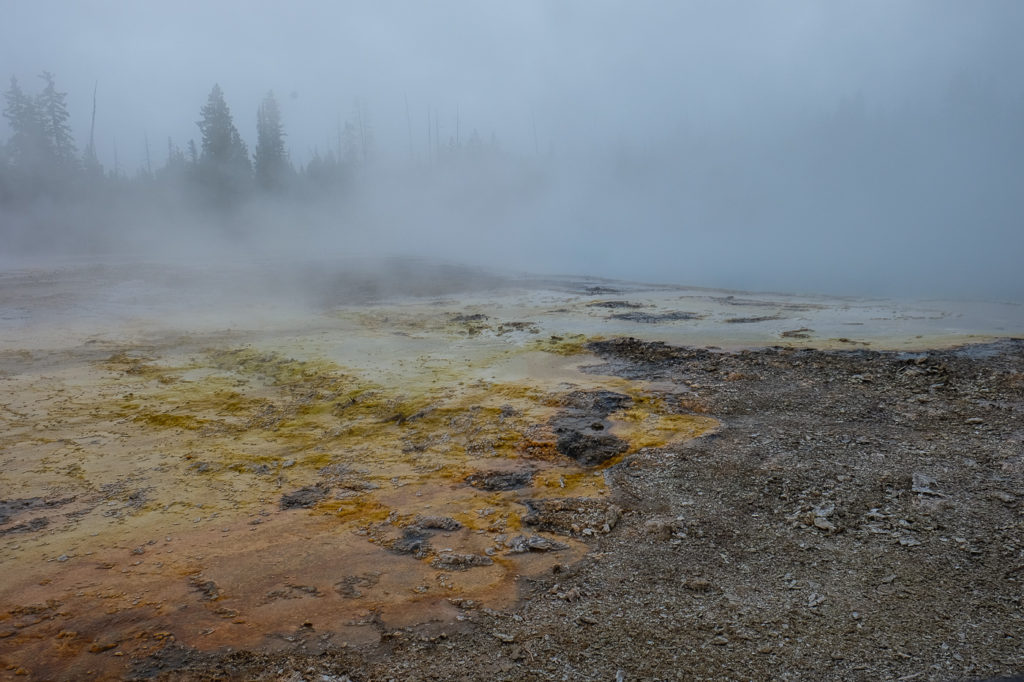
(241, 498)
(857, 516)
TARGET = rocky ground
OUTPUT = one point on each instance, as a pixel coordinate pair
(858, 515)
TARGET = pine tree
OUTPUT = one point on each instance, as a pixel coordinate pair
(271, 159)
(224, 167)
(28, 147)
(53, 113)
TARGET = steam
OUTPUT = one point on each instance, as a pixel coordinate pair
(868, 148)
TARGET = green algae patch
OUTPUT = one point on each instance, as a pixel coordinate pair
(565, 344)
(141, 366)
(280, 370)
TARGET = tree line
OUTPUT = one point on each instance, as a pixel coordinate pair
(41, 159)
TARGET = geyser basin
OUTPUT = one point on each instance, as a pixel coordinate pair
(333, 470)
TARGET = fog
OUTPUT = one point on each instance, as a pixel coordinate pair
(862, 148)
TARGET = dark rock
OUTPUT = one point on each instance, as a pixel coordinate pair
(413, 541)
(452, 561)
(749, 320)
(500, 480)
(348, 586)
(599, 404)
(518, 544)
(11, 508)
(587, 445)
(655, 318)
(614, 304)
(571, 515)
(303, 497)
(438, 523)
(207, 588)
(581, 429)
(27, 527)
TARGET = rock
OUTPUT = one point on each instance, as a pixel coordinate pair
(824, 524)
(570, 515)
(348, 587)
(206, 588)
(573, 595)
(452, 561)
(508, 639)
(438, 523)
(581, 429)
(587, 445)
(463, 603)
(923, 484)
(532, 543)
(32, 525)
(493, 481)
(413, 541)
(303, 497)
(655, 318)
(102, 645)
(614, 304)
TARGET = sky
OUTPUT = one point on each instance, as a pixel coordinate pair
(701, 129)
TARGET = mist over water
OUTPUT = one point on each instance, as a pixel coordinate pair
(848, 148)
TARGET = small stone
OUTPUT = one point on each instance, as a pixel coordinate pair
(504, 637)
(720, 640)
(63, 557)
(697, 584)
(923, 484)
(822, 523)
(100, 646)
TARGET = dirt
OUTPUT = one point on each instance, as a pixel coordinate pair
(858, 515)
(383, 493)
